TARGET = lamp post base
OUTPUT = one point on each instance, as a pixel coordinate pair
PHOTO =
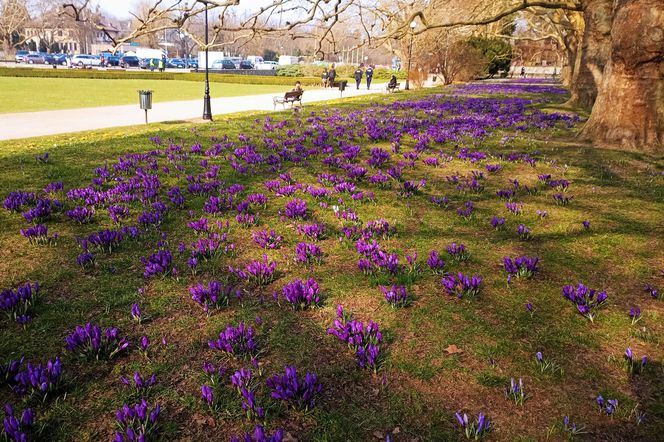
(407, 85)
(207, 108)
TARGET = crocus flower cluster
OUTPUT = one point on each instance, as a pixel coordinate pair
(258, 272)
(214, 295)
(607, 406)
(364, 340)
(159, 263)
(267, 240)
(81, 214)
(497, 223)
(138, 384)
(521, 266)
(296, 208)
(632, 364)
(302, 294)
(523, 232)
(586, 299)
(460, 285)
(15, 429)
(137, 423)
(458, 252)
(435, 262)
(396, 295)
(307, 253)
(466, 211)
(89, 341)
(38, 380)
(18, 304)
(38, 235)
(300, 394)
(239, 341)
(515, 208)
(476, 429)
(515, 391)
(314, 231)
(16, 200)
(259, 435)
(242, 381)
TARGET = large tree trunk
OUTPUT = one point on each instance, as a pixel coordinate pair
(594, 52)
(629, 111)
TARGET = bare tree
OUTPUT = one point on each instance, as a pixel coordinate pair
(13, 16)
(607, 69)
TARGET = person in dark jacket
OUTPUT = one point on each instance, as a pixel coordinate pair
(331, 76)
(392, 84)
(369, 74)
(324, 78)
(358, 76)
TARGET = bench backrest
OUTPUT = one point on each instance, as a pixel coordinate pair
(293, 94)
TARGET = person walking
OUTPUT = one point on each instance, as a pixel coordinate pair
(162, 63)
(369, 74)
(358, 77)
(331, 75)
(523, 72)
(323, 78)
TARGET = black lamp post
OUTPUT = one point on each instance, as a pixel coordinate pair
(410, 51)
(207, 107)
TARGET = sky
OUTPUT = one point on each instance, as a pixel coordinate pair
(121, 8)
(117, 8)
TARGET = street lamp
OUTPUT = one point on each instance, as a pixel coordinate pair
(207, 107)
(413, 25)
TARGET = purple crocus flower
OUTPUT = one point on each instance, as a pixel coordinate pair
(136, 312)
(302, 294)
(301, 394)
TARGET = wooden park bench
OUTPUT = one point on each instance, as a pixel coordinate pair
(392, 89)
(289, 97)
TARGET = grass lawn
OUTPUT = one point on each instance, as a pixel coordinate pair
(37, 94)
(438, 355)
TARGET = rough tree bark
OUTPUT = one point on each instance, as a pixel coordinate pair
(629, 111)
(594, 52)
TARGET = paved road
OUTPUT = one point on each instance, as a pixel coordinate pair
(34, 124)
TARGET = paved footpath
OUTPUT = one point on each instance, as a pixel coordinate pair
(34, 124)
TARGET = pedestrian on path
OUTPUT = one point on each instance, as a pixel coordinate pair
(369, 75)
(358, 77)
(323, 78)
(331, 75)
(162, 64)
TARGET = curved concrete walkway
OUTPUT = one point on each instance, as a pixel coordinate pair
(34, 124)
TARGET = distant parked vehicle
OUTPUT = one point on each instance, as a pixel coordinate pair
(223, 64)
(20, 56)
(85, 61)
(192, 63)
(149, 63)
(246, 64)
(113, 60)
(35, 59)
(267, 65)
(60, 59)
(175, 63)
(129, 61)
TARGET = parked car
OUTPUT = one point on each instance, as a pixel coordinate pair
(145, 63)
(35, 59)
(20, 56)
(48, 58)
(223, 64)
(85, 61)
(175, 63)
(246, 64)
(60, 59)
(129, 61)
(192, 63)
(113, 60)
(267, 65)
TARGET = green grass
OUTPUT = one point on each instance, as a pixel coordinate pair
(39, 94)
(419, 387)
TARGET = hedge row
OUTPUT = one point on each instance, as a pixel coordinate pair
(146, 75)
(346, 71)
